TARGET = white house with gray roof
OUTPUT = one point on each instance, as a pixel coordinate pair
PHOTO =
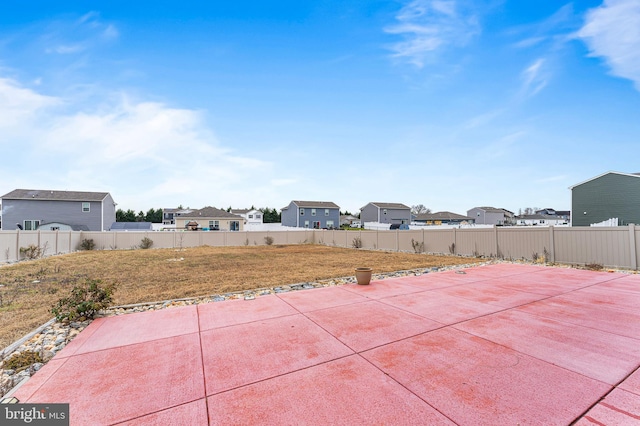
(391, 213)
(30, 209)
(311, 214)
(251, 216)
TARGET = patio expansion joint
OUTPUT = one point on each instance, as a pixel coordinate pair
(204, 375)
(600, 401)
(265, 379)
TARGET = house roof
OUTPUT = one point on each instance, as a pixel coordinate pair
(73, 227)
(314, 204)
(211, 212)
(494, 210)
(636, 175)
(390, 205)
(441, 216)
(131, 226)
(28, 194)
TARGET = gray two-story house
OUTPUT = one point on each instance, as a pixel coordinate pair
(311, 214)
(31, 209)
(491, 216)
(386, 213)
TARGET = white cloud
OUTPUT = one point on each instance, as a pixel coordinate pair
(142, 152)
(63, 37)
(612, 31)
(20, 106)
(534, 77)
(427, 26)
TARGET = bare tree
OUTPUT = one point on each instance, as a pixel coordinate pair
(419, 209)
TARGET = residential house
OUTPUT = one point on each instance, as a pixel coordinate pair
(169, 215)
(251, 216)
(29, 209)
(491, 216)
(209, 219)
(540, 219)
(606, 196)
(561, 214)
(348, 220)
(442, 218)
(392, 213)
(311, 214)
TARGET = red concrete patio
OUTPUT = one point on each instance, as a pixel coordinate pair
(503, 344)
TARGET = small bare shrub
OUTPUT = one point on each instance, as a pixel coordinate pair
(146, 243)
(452, 248)
(356, 243)
(594, 266)
(418, 246)
(21, 361)
(31, 252)
(268, 240)
(84, 302)
(87, 244)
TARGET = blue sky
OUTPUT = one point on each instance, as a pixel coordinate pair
(451, 104)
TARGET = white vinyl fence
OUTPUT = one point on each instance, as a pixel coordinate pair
(607, 246)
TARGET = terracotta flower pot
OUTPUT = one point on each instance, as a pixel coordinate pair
(363, 275)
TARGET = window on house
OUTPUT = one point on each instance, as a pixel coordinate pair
(31, 225)
(301, 212)
(384, 211)
(313, 212)
(306, 223)
(329, 224)
(86, 207)
(234, 225)
(214, 224)
(258, 216)
(250, 216)
(326, 212)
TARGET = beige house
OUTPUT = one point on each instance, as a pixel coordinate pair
(209, 219)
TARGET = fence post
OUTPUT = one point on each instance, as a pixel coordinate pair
(454, 242)
(632, 246)
(17, 245)
(552, 245)
(495, 234)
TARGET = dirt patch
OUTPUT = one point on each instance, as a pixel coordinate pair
(29, 289)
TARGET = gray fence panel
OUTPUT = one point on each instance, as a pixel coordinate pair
(438, 240)
(604, 246)
(525, 243)
(471, 242)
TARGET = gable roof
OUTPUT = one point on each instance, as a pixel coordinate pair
(493, 210)
(441, 216)
(636, 175)
(29, 194)
(390, 206)
(209, 212)
(314, 204)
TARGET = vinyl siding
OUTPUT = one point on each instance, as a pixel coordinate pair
(291, 215)
(609, 196)
(67, 212)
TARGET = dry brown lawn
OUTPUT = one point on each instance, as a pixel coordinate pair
(29, 289)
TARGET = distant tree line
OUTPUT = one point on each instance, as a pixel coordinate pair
(155, 215)
(152, 215)
(270, 215)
